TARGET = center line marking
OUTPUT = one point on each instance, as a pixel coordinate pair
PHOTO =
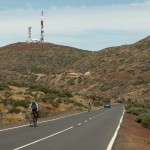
(79, 124)
(85, 121)
(90, 118)
(43, 138)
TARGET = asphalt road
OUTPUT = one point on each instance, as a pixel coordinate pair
(85, 131)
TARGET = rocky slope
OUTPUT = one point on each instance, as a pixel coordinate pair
(120, 73)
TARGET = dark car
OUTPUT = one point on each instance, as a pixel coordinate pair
(107, 105)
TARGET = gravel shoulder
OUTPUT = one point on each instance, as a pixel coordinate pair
(132, 136)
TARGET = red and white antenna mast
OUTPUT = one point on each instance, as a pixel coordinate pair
(42, 28)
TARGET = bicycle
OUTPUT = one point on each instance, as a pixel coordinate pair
(89, 108)
(33, 119)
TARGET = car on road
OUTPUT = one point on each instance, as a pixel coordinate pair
(107, 105)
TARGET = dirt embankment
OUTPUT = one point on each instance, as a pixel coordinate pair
(132, 136)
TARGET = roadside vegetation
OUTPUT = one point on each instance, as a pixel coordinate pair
(15, 99)
(142, 112)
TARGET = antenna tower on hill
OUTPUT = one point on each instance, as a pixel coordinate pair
(42, 28)
(29, 34)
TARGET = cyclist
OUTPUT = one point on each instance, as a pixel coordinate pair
(34, 107)
(89, 106)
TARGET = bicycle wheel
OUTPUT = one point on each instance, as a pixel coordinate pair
(32, 120)
(35, 123)
(35, 120)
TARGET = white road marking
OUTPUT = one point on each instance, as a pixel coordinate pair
(94, 117)
(116, 132)
(45, 121)
(15, 127)
(85, 121)
(90, 118)
(43, 138)
(79, 124)
(61, 117)
(41, 122)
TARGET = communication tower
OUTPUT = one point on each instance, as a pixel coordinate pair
(29, 34)
(42, 28)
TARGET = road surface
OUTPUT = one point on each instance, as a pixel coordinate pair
(84, 131)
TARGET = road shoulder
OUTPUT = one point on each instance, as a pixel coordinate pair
(132, 136)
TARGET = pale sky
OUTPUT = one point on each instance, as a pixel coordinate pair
(86, 24)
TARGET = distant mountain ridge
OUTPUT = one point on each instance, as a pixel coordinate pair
(120, 73)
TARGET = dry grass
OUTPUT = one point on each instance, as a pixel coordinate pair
(3, 108)
(62, 107)
(18, 97)
(2, 94)
(46, 106)
(16, 89)
(13, 118)
(18, 93)
(21, 108)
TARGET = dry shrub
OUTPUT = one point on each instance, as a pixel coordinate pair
(69, 106)
(21, 108)
(47, 106)
(62, 107)
(13, 118)
(3, 108)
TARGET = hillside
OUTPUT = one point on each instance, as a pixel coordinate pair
(110, 72)
(117, 73)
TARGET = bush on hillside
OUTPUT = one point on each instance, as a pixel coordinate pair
(68, 100)
(120, 100)
(65, 94)
(140, 82)
(7, 94)
(8, 102)
(78, 104)
(98, 103)
(137, 111)
(47, 98)
(18, 84)
(143, 104)
(14, 110)
(52, 92)
(4, 87)
(43, 113)
(23, 103)
(55, 103)
(146, 122)
(142, 117)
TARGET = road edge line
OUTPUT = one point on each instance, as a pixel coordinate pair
(6, 129)
(41, 122)
(116, 132)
